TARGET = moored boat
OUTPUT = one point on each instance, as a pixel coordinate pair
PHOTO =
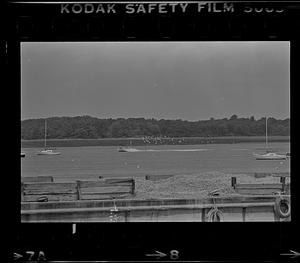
(22, 154)
(48, 152)
(270, 156)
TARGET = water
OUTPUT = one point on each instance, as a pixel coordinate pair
(94, 161)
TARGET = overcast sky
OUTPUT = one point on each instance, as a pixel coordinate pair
(170, 80)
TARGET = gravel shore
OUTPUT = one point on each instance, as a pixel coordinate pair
(194, 185)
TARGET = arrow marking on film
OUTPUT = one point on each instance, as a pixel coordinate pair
(159, 254)
(294, 254)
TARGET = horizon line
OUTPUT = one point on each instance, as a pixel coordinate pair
(151, 118)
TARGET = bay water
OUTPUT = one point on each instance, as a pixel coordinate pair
(94, 161)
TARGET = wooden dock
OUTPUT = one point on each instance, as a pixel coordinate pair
(110, 200)
(233, 209)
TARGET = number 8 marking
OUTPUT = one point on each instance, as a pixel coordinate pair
(174, 254)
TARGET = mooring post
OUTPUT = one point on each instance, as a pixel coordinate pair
(78, 190)
(22, 192)
(282, 181)
(133, 187)
(233, 181)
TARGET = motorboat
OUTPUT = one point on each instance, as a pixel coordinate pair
(126, 149)
(270, 156)
(22, 154)
(122, 149)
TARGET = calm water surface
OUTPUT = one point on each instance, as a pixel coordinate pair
(88, 162)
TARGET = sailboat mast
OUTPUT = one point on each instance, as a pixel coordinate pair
(45, 133)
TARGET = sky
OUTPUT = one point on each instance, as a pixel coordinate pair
(162, 80)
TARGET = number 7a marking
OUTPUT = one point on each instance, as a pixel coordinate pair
(31, 253)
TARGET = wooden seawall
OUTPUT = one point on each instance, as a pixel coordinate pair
(46, 190)
(234, 208)
(261, 188)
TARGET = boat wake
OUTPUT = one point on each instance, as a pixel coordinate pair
(166, 150)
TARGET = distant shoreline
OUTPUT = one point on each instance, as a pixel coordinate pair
(140, 142)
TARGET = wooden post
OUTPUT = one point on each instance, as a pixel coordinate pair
(244, 214)
(133, 186)
(22, 192)
(276, 217)
(282, 181)
(203, 215)
(233, 181)
(78, 190)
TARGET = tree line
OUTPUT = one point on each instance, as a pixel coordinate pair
(87, 127)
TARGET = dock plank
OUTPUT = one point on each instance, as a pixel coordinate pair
(60, 185)
(107, 189)
(50, 197)
(260, 186)
(94, 184)
(277, 174)
(104, 196)
(118, 180)
(253, 191)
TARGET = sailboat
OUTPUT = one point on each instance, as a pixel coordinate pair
(269, 155)
(46, 150)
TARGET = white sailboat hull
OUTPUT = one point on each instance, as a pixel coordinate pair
(270, 156)
(48, 152)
